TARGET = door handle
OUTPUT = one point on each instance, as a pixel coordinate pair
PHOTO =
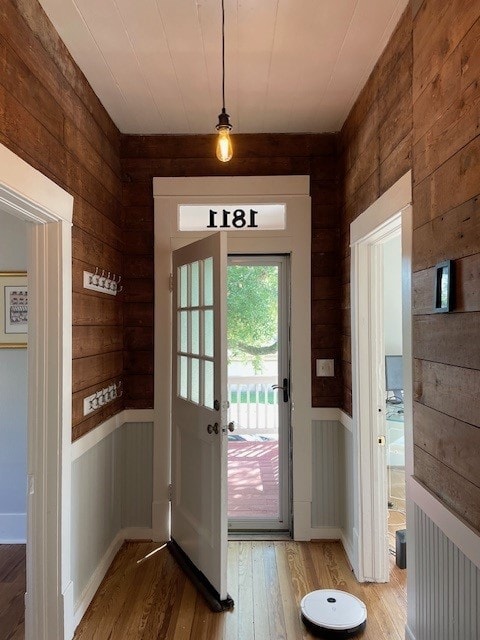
(213, 428)
(285, 388)
(231, 426)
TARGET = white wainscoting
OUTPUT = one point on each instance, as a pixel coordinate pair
(112, 489)
(447, 590)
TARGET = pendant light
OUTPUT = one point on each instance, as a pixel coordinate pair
(224, 144)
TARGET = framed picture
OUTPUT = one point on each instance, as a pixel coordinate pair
(13, 310)
(443, 287)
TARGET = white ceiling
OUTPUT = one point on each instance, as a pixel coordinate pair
(291, 65)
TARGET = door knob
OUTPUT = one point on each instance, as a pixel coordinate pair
(213, 428)
(231, 426)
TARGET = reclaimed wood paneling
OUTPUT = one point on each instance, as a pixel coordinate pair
(52, 119)
(420, 110)
(457, 493)
(376, 150)
(144, 157)
(448, 440)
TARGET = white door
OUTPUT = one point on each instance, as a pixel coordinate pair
(199, 409)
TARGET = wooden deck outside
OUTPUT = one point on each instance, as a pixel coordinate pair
(253, 479)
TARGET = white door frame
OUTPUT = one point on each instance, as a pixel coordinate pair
(29, 195)
(390, 213)
(294, 240)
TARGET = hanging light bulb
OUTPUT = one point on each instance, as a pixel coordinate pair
(224, 144)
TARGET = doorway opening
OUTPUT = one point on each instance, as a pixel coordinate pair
(378, 446)
(30, 196)
(394, 400)
(259, 497)
(13, 420)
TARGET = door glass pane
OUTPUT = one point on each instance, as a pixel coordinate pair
(183, 331)
(195, 380)
(208, 381)
(195, 329)
(195, 284)
(253, 369)
(183, 281)
(208, 282)
(208, 334)
(183, 376)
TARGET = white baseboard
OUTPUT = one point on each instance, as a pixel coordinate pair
(130, 533)
(408, 634)
(87, 595)
(13, 528)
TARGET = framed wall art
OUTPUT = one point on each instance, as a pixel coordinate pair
(13, 310)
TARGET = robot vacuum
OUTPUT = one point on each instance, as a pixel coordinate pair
(328, 613)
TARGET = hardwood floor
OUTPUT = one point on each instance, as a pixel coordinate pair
(12, 591)
(154, 601)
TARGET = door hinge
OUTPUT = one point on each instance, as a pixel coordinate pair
(170, 492)
(170, 282)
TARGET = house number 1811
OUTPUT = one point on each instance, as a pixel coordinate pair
(238, 218)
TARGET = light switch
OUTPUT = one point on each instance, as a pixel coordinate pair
(325, 368)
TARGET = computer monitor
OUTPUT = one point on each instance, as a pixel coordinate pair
(394, 378)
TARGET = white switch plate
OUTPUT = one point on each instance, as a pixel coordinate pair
(325, 368)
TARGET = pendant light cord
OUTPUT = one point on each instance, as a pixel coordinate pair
(223, 54)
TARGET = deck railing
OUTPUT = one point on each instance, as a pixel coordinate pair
(253, 404)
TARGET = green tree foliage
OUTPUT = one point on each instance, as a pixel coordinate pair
(252, 312)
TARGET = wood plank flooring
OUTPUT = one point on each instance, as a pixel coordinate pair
(12, 591)
(154, 601)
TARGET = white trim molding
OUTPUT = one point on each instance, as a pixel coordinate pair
(462, 536)
(332, 414)
(390, 214)
(92, 438)
(31, 196)
(295, 240)
(379, 213)
(325, 413)
(28, 194)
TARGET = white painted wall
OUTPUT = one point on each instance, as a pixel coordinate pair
(392, 284)
(13, 400)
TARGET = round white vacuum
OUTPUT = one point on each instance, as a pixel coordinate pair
(329, 613)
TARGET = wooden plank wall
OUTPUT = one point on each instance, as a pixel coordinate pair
(144, 157)
(51, 118)
(446, 191)
(437, 135)
(376, 147)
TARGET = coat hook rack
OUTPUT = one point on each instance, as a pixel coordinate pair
(102, 397)
(101, 281)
